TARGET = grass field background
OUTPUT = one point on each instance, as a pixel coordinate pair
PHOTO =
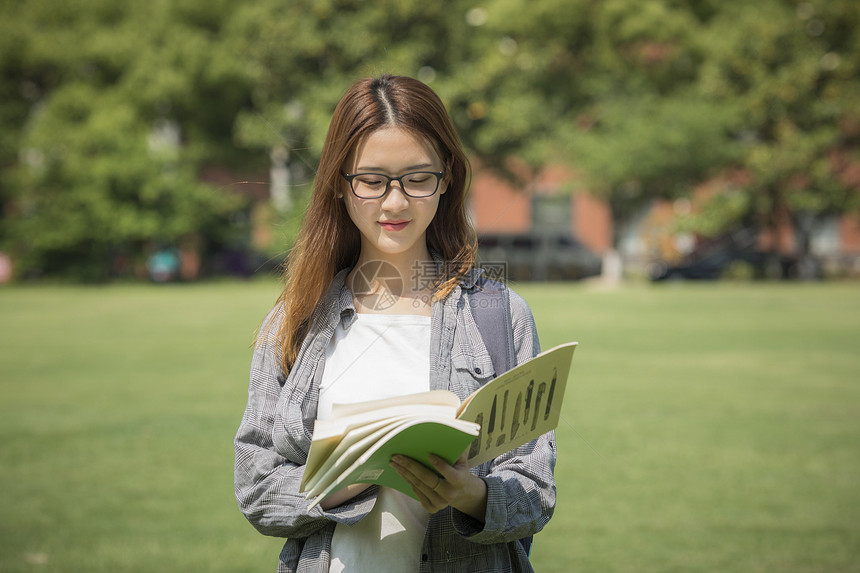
(707, 428)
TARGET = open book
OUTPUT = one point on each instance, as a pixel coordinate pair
(356, 444)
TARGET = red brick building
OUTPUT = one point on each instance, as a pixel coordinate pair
(540, 229)
(545, 206)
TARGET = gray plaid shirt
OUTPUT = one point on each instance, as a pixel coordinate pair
(274, 437)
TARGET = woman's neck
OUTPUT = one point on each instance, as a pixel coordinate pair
(393, 284)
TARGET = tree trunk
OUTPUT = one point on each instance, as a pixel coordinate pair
(612, 268)
(772, 267)
(807, 267)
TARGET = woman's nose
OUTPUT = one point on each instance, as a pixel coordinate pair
(395, 199)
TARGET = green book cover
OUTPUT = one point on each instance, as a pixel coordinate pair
(416, 439)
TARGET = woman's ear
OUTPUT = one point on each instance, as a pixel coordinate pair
(446, 180)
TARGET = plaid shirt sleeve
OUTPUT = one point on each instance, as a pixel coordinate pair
(267, 478)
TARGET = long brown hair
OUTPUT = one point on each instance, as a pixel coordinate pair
(328, 241)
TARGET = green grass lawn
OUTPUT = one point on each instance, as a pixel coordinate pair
(707, 428)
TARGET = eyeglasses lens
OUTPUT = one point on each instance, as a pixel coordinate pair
(372, 185)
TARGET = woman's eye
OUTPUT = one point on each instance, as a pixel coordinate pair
(418, 178)
(370, 181)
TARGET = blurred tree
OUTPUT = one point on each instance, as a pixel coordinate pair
(610, 88)
(505, 98)
(650, 97)
(792, 71)
(110, 111)
(118, 106)
(520, 78)
(647, 130)
(302, 56)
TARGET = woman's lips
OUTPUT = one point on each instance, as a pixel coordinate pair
(393, 225)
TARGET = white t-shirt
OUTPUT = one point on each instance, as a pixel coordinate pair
(380, 356)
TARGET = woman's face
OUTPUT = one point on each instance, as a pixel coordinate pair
(393, 226)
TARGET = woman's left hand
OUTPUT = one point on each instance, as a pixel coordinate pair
(456, 486)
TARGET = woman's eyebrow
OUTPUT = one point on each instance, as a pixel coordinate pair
(404, 170)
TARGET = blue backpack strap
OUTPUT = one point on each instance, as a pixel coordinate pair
(491, 309)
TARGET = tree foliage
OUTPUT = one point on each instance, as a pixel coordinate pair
(792, 71)
(123, 105)
(112, 111)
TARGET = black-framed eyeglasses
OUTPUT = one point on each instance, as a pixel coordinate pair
(416, 184)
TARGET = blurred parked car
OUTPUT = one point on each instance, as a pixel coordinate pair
(539, 257)
(726, 263)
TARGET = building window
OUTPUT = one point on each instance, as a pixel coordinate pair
(551, 214)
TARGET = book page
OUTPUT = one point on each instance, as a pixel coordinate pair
(519, 405)
(411, 405)
(431, 397)
(325, 451)
(354, 444)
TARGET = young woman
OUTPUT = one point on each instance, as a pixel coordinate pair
(375, 305)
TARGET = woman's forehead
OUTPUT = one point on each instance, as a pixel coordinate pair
(394, 148)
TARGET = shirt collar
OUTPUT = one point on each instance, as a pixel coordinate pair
(468, 280)
(341, 304)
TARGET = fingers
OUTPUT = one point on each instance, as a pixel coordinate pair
(452, 473)
(454, 485)
(416, 474)
(420, 474)
(429, 487)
